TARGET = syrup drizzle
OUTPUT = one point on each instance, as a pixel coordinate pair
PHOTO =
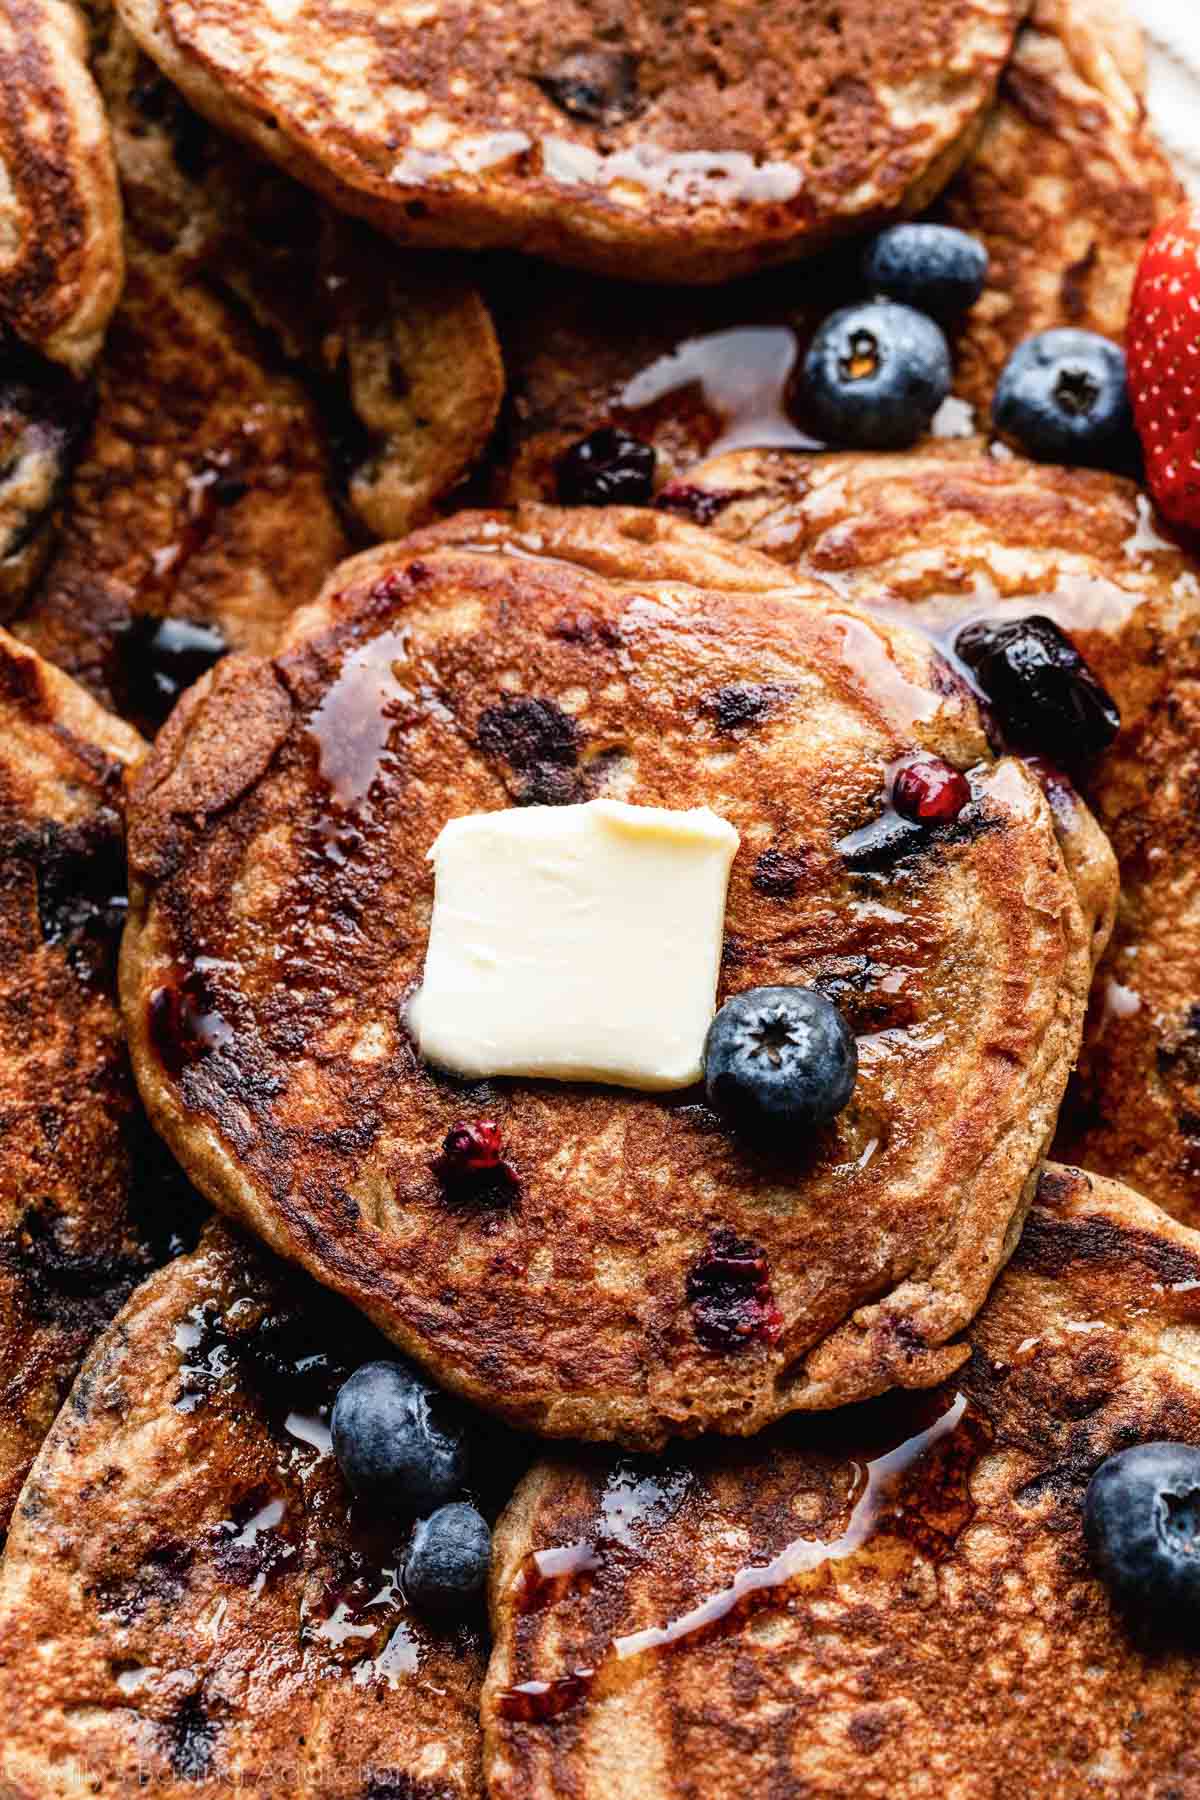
(743, 377)
(932, 1519)
(353, 722)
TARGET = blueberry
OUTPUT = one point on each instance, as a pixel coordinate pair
(779, 1057)
(396, 1440)
(606, 468)
(875, 375)
(447, 1560)
(1044, 694)
(1062, 396)
(937, 269)
(1141, 1518)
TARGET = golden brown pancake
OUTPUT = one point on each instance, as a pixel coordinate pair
(279, 925)
(84, 1203)
(270, 369)
(893, 1603)
(60, 209)
(627, 140)
(188, 1600)
(952, 533)
(1065, 187)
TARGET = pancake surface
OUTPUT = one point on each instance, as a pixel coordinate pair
(630, 140)
(942, 1631)
(187, 1598)
(283, 820)
(78, 1200)
(952, 533)
(1066, 185)
(60, 207)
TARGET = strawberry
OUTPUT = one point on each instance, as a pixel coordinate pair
(1163, 355)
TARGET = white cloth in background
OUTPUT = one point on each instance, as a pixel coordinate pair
(1173, 51)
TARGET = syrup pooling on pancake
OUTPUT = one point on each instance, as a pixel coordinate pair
(282, 912)
(935, 1561)
(951, 535)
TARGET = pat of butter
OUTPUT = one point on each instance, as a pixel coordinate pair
(579, 943)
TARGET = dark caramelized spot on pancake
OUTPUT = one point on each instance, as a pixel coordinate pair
(778, 873)
(741, 705)
(81, 897)
(540, 743)
(1179, 1055)
(394, 1784)
(60, 1283)
(1050, 1246)
(158, 658)
(156, 1585)
(597, 83)
(729, 1292)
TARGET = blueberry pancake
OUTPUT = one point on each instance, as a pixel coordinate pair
(893, 1603)
(1064, 188)
(82, 1211)
(951, 534)
(273, 379)
(189, 1597)
(279, 928)
(627, 140)
(60, 206)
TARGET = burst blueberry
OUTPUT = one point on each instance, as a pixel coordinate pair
(874, 376)
(778, 1060)
(1142, 1523)
(935, 268)
(1044, 694)
(930, 791)
(397, 1440)
(1062, 397)
(606, 468)
(447, 1562)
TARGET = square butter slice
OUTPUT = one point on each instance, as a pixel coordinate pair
(576, 943)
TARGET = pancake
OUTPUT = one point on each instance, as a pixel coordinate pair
(278, 929)
(275, 381)
(629, 141)
(44, 414)
(60, 206)
(951, 533)
(1065, 187)
(938, 1627)
(188, 1599)
(85, 1206)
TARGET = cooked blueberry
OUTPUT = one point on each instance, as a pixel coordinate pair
(447, 1561)
(1044, 694)
(1142, 1522)
(779, 1058)
(937, 269)
(1062, 396)
(875, 375)
(396, 1440)
(606, 468)
(930, 791)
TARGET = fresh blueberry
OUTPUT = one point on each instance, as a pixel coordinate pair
(1141, 1518)
(1043, 692)
(937, 269)
(447, 1560)
(606, 468)
(1062, 397)
(396, 1440)
(779, 1058)
(875, 375)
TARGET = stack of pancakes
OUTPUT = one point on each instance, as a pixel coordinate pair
(301, 305)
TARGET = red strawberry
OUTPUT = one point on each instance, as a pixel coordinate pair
(1163, 355)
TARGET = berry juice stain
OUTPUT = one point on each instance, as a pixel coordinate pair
(915, 1493)
(185, 1023)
